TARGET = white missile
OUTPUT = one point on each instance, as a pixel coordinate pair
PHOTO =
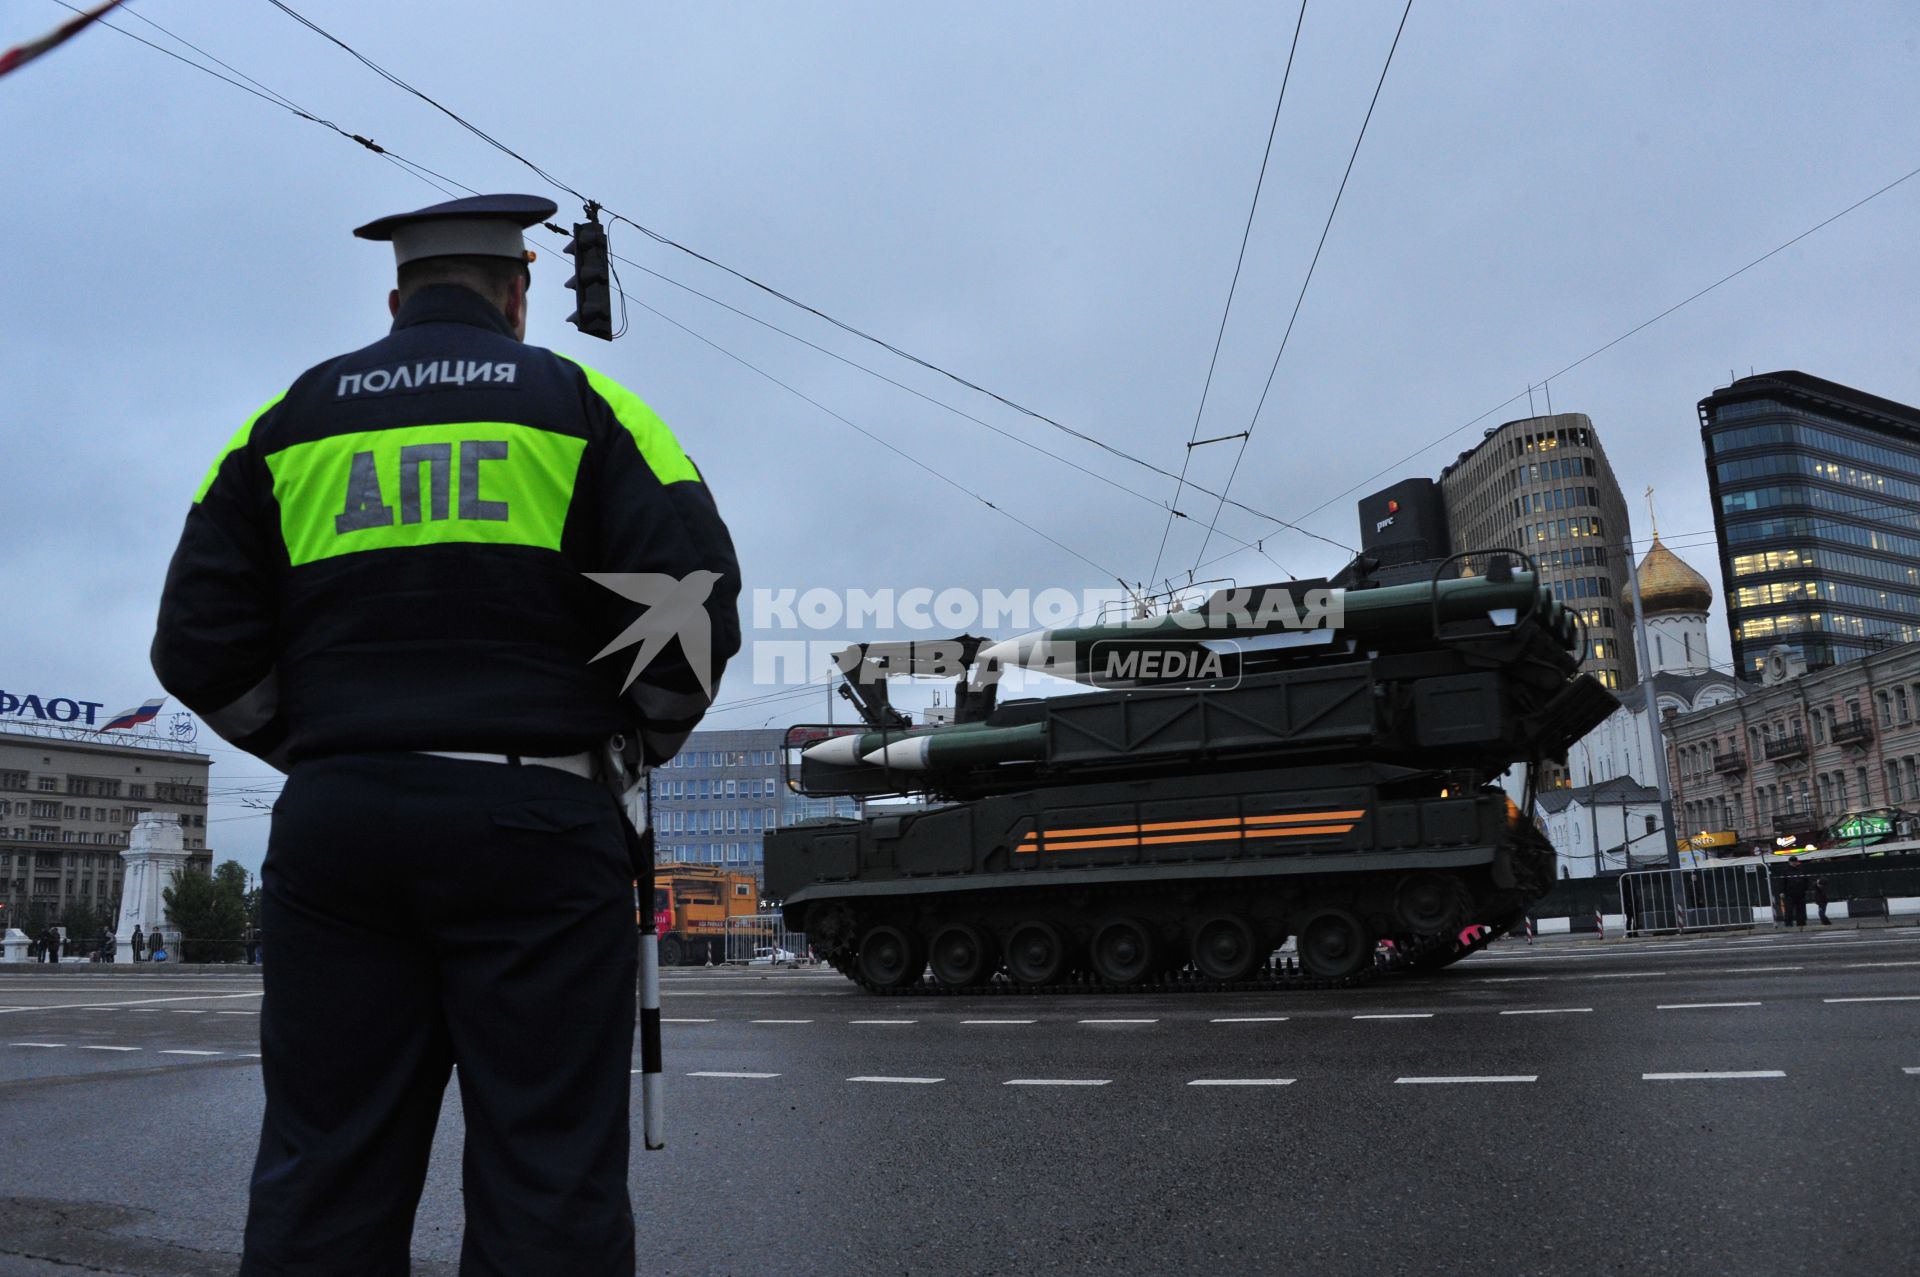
(841, 751)
(904, 755)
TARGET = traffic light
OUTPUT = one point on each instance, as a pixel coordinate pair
(591, 282)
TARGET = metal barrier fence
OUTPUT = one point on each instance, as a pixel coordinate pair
(1703, 899)
(762, 939)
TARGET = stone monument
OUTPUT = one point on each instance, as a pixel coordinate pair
(156, 849)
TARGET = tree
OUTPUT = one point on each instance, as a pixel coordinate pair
(209, 911)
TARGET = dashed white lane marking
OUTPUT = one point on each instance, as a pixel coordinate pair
(1241, 1081)
(908, 1081)
(1449, 1081)
(1711, 1077)
(186, 1052)
(996, 1021)
(1881, 964)
(1549, 1011)
(782, 1022)
(1891, 997)
(236, 1013)
(1700, 1006)
(40, 1044)
(1119, 1021)
(1911, 1069)
(1621, 975)
(109, 1048)
(721, 1073)
(1250, 1019)
(1397, 1015)
(188, 1010)
(1515, 979)
(883, 1021)
(1755, 970)
(142, 1003)
(1057, 1081)
(682, 1020)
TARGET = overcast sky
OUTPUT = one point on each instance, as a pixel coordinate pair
(1045, 198)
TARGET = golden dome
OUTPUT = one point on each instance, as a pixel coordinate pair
(1669, 585)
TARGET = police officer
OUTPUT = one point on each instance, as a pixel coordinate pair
(381, 589)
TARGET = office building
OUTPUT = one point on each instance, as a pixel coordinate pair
(1816, 499)
(1541, 485)
(67, 801)
(723, 791)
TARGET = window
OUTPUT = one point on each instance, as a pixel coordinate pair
(45, 784)
(138, 790)
(13, 780)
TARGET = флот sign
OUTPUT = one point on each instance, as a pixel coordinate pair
(34, 707)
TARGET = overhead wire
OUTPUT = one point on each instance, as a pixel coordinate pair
(669, 242)
(1298, 301)
(1233, 286)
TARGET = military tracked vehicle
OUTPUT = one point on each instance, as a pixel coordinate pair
(1279, 763)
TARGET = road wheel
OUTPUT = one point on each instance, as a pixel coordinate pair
(1431, 904)
(672, 952)
(1225, 948)
(960, 956)
(1334, 944)
(1125, 951)
(890, 958)
(1036, 953)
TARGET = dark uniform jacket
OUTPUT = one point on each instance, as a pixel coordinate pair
(390, 556)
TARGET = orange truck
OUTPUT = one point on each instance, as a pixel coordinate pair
(691, 905)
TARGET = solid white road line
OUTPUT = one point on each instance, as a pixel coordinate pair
(722, 1073)
(1241, 1081)
(1710, 1077)
(137, 1002)
(1700, 1006)
(996, 1021)
(1881, 964)
(1119, 1021)
(781, 1022)
(910, 1081)
(1251, 1019)
(1447, 1081)
(186, 1052)
(110, 1048)
(1057, 1081)
(1397, 1015)
(883, 1021)
(1894, 997)
(1549, 1011)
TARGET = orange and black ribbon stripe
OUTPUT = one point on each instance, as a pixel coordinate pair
(1161, 833)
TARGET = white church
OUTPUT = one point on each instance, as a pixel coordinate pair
(1609, 819)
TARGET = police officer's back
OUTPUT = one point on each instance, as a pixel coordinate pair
(380, 588)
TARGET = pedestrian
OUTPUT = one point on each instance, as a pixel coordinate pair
(138, 943)
(109, 943)
(157, 946)
(1795, 890)
(1820, 899)
(381, 590)
(248, 943)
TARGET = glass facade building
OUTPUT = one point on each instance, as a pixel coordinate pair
(1543, 485)
(722, 792)
(1816, 497)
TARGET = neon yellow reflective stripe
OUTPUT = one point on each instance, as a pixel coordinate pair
(650, 434)
(234, 445)
(485, 482)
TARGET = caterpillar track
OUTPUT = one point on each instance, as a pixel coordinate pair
(1283, 976)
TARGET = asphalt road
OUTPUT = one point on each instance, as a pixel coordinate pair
(1700, 1106)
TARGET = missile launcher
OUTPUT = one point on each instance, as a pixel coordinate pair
(1285, 762)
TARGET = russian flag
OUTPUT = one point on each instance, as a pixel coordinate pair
(134, 717)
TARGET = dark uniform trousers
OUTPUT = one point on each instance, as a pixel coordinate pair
(431, 914)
